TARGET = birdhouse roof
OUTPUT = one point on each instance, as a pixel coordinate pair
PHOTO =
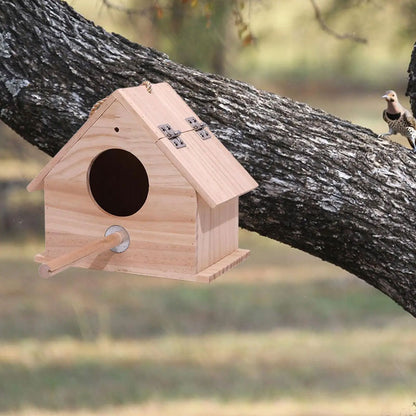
(207, 165)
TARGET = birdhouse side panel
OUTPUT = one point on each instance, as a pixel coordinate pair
(163, 230)
(217, 231)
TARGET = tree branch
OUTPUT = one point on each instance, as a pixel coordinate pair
(411, 86)
(327, 29)
(144, 11)
(328, 187)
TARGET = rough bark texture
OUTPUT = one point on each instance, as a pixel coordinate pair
(327, 187)
(411, 86)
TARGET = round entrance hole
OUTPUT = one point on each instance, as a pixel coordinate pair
(118, 182)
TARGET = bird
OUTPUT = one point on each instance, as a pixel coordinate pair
(399, 119)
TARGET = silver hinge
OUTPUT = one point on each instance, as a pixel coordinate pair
(199, 127)
(172, 135)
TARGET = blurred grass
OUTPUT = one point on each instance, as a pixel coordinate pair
(87, 305)
(91, 342)
(284, 334)
(65, 374)
(280, 407)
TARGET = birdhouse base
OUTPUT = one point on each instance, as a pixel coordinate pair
(205, 276)
(222, 266)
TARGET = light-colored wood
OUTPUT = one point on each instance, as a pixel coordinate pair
(217, 231)
(51, 267)
(188, 226)
(162, 232)
(222, 266)
(208, 166)
(205, 276)
(38, 182)
(163, 106)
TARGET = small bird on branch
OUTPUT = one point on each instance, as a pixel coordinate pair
(399, 119)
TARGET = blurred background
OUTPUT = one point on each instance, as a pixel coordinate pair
(282, 334)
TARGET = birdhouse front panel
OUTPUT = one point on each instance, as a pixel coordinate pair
(162, 231)
(143, 164)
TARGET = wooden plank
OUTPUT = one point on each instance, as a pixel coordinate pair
(217, 231)
(222, 266)
(51, 267)
(144, 105)
(162, 232)
(162, 106)
(37, 182)
(209, 167)
(206, 164)
(205, 276)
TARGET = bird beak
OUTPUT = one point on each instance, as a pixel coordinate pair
(385, 96)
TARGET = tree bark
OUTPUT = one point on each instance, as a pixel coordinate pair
(411, 85)
(328, 187)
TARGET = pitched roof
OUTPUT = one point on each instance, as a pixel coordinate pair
(37, 182)
(207, 165)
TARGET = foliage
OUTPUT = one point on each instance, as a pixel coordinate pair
(194, 32)
(285, 39)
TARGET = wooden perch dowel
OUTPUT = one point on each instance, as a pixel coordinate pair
(54, 266)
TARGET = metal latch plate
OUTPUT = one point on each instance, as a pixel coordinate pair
(199, 127)
(172, 135)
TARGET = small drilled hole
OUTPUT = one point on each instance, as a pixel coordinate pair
(116, 129)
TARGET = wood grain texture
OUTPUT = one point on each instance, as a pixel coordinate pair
(38, 182)
(222, 266)
(206, 164)
(51, 267)
(213, 171)
(162, 232)
(175, 234)
(327, 186)
(162, 106)
(217, 231)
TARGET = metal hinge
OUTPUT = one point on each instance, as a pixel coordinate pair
(199, 127)
(172, 135)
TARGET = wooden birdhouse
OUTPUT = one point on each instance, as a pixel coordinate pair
(143, 187)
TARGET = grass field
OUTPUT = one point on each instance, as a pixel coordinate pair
(284, 334)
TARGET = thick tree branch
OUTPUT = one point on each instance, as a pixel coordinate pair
(411, 86)
(328, 187)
